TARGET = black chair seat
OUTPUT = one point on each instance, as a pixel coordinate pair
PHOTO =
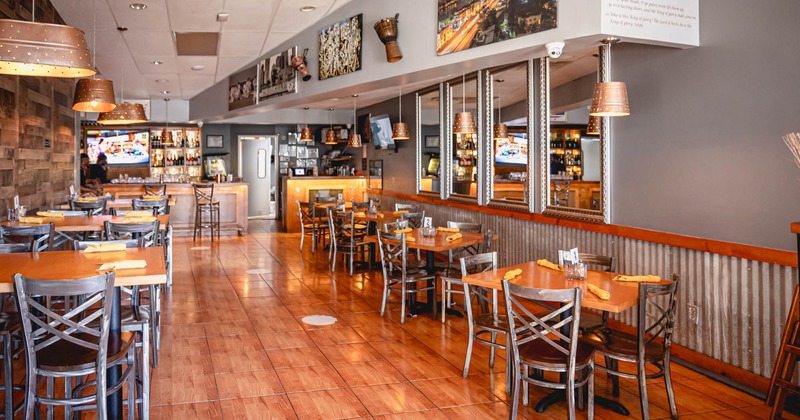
(542, 353)
(9, 323)
(65, 356)
(622, 345)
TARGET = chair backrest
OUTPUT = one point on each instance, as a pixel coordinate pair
(390, 227)
(466, 226)
(414, 218)
(525, 326)
(203, 193)
(375, 202)
(306, 213)
(36, 237)
(561, 192)
(656, 313)
(599, 261)
(157, 206)
(342, 231)
(159, 189)
(146, 232)
(402, 206)
(87, 325)
(478, 263)
(394, 254)
(89, 207)
(81, 245)
(455, 254)
(360, 205)
(12, 248)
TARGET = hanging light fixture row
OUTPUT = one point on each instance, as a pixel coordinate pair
(94, 95)
(400, 129)
(355, 138)
(464, 121)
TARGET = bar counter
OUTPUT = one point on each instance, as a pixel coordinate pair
(308, 187)
(232, 197)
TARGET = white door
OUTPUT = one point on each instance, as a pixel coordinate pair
(257, 167)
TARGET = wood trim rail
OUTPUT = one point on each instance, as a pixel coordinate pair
(731, 249)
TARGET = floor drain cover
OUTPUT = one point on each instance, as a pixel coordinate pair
(319, 320)
(200, 248)
(258, 271)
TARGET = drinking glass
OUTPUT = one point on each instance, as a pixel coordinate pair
(12, 215)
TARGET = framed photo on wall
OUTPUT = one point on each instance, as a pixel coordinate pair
(214, 141)
(432, 141)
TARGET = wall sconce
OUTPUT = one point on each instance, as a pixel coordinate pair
(387, 32)
(299, 63)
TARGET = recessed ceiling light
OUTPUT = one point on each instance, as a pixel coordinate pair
(156, 63)
(138, 6)
(162, 81)
(355, 95)
(198, 67)
(308, 9)
(222, 17)
(165, 92)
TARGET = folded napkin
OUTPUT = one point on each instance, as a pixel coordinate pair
(548, 264)
(381, 215)
(602, 294)
(510, 274)
(152, 197)
(86, 199)
(105, 247)
(139, 213)
(51, 214)
(123, 265)
(406, 230)
(646, 279)
(401, 211)
(31, 220)
(360, 214)
(411, 239)
(453, 237)
(447, 229)
(132, 220)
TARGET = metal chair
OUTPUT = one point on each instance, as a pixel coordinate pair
(651, 343)
(451, 275)
(91, 208)
(590, 320)
(547, 343)
(204, 203)
(396, 272)
(66, 346)
(12, 248)
(561, 193)
(345, 239)
(156, 206)
(155, 189)
(402, 206)
(37, 237)
(311, 224)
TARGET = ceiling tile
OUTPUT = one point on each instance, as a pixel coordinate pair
(80, 11)
(149, 43)
(228, 65)
(196, 16)
(250, 16)
(109, 44)
(289, 18)
(153, 18)
(185, 65)
(145, 64)
(273, 40)
(241, 44)
(195, 81)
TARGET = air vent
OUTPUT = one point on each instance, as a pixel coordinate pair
(197, 43)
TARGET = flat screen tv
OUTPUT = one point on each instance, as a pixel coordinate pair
(381, 127)
(121, 147)
(513, 150)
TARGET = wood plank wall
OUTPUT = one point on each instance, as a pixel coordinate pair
(33, 109)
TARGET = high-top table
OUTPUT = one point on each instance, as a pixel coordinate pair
(61, 265)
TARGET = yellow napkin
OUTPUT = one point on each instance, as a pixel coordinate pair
(359, 214)
(31, 220)
(453, 237)
(447, 229)
(86, 199)
(646, 279)
(401, 211)
(411, 239)
(406, 230)
(51, 214)
(602, 294)
(548, 264)
(139, 213)
(105, 247)
(132, 220)
(152, 197)
(381, 215)
(123, 265)
(510, 274)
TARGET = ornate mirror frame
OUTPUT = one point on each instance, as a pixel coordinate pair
(420, 139)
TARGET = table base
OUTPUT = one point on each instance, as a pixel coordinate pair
(561, 395)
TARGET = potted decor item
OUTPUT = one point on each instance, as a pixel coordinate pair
(387, 32)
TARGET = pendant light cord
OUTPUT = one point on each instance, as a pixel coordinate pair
(400, 106)
(94, 38)
(463, 92)
(33, 12)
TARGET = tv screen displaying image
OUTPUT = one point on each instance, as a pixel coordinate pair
(121, 147)
(513, 150)
(381, 127)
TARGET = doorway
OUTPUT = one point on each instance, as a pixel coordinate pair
(257, 167)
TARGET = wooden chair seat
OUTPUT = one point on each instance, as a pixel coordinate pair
(64, 356)
(9, 323)
(206, 203)
(542, 353)
(622, 345)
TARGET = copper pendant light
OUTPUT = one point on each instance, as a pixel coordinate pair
(593, 128)
(464, 121)
(500, 130)
(355, 138)
(124, 113)
(610, 98)
(400, 129)
(94, 95)
(43, 49)
(330, 136)
(305, 133)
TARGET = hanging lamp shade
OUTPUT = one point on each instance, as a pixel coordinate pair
(43, 49)
(94, 95)
(593, 128)
(306, 135)
(400, 131)
(465, 123)
(330, 137)
(124, 113)
(500, 132)
(610, 100)
(354, 141)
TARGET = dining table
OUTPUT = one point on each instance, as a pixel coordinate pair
(66, 265)
(69, 228)
(623, 295)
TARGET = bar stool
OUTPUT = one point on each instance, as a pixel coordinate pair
(204, 203)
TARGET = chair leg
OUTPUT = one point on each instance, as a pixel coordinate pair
(385, 296)
(509, 365)
(642, 379)
(49, 410)
(403, 296)
(132, 383)
(492, 350)
(590, 408)
(614, 378)
(8, 377)
(444, 294)
(144, 363)
(470, 338)
(67, 393)
(196, 216)
(673, 408)
(571, 396)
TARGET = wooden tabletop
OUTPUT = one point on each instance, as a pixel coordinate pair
(382, 216)
(624, 295)
(439, 242)
(796, 227)
(60, 265)
(86, 223)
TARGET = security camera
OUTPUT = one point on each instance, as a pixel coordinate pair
(554, 48)
(199, 123)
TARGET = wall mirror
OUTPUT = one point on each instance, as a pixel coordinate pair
(574, 162)
(428, 133)
(510, 159)
(463, 148)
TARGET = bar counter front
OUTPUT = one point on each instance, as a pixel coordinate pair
(232, 197)
(306, 189)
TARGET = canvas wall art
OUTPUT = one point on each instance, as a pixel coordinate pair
(340, 48)
(276, 76)
(242, 88)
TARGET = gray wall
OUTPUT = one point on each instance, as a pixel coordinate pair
(701, 153)
(398, 165)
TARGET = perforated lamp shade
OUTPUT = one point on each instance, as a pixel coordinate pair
(354, 141)
(43, 49)
(330, 137)
(94, 95)
(610, 100)
(500, 132)
(306, 135)
(594, 125)
(464, 124)
(124, 113)
(400, 131)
